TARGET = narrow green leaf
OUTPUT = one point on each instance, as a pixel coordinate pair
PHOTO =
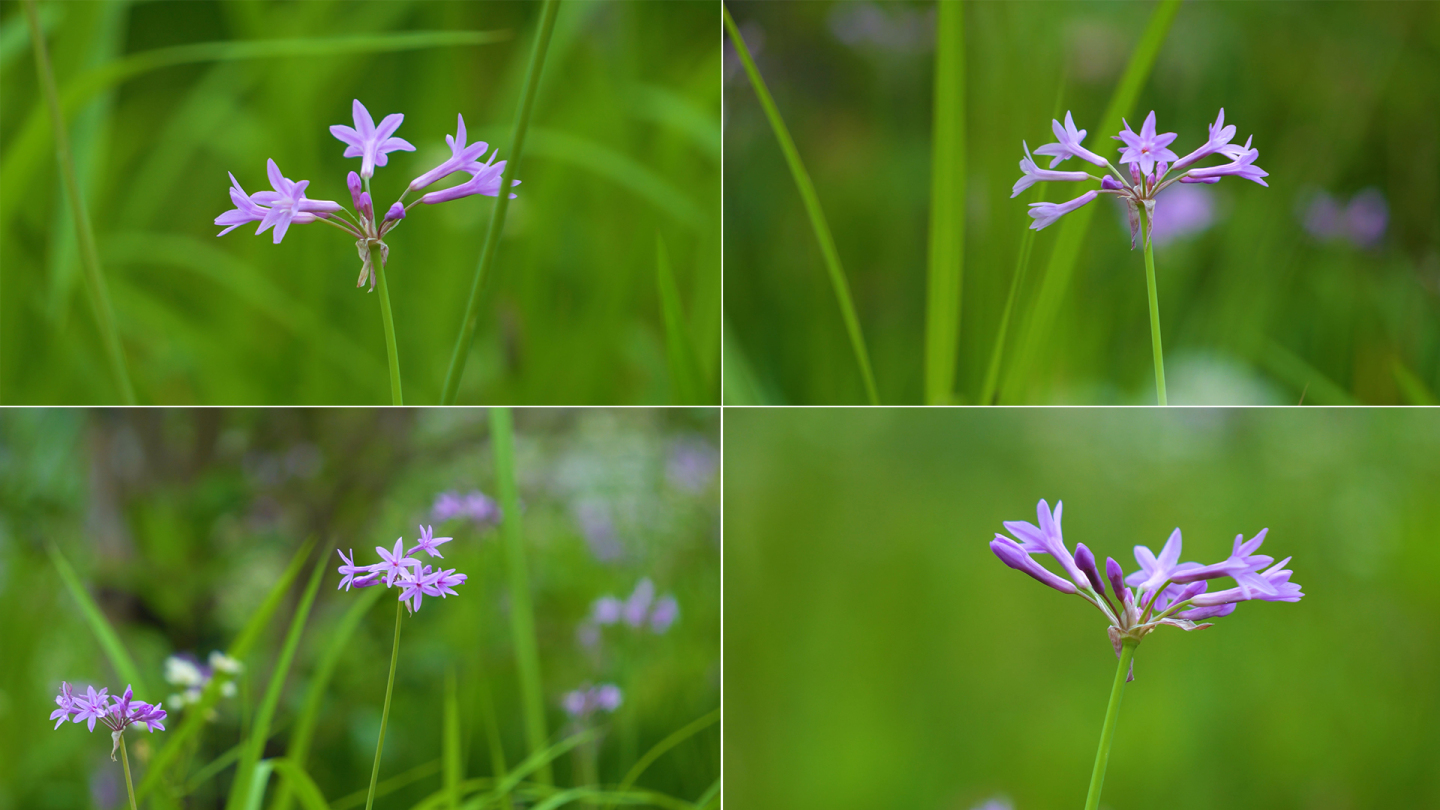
(260, 727)
(539, 762)
(300, 783)
(710, 795)
(120, 659)
(620, 169)
(258, 780)
(675, 738)
(595, 795)
(947, 207)
(679, 349)
(390, 785)
(1061, 267)
(194, 718)
(812, 207)
(1411, 386)
(450, 745)
(492, 734)
(1316, 387)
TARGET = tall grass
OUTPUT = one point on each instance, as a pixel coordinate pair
(947, 205)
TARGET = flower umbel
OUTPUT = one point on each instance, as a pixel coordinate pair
(119, 713)
(399, 567)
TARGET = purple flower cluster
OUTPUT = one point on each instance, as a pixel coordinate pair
(1165, 590)
(1150, 163)
(474, 506)
(119, 713)
(399, 567)
(287, 204)
(581, 703)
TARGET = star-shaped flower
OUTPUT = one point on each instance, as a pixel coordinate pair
(1147, 147)
(288, 203)
(428, 541)
(461, 157)
(369, 142)
(393, 562)
(1068, 146)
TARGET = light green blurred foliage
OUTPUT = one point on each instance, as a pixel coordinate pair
(624, 144)
(1340, 97)
(879, 655)
(178, 522)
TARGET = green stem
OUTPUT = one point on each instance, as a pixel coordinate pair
(812, 207)
(1102, 756)
(378, 268)
(947, 207)
(502, 204)
(1154, 317)
(385, 713)
(90, 257)
(125, 758)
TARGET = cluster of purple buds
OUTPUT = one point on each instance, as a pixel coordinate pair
(287, 204)
(1165, 590)
(398, 567)
(474, 505)
(581, 703)
(1150, 163)
(119, 713)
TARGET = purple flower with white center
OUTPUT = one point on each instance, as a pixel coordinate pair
(1068, 144)
(1032, 174)
(398, 567)
(583, 702)
(1147, 148)
(475, 506)
(368, 142)
(1165, 590)
(117, 713)
(428, 542)
(461, 158)
(1220, 137)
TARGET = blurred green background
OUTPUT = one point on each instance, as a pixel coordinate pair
(624, 144)
(879, 655)
(180, 521)
(1340, 97)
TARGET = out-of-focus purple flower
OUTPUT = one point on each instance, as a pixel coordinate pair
(692, 464)
(607, 610)
(473, 505)
(1032, 174)
(368, 142)
(1045, 213)
(996, 804)
(583, 702)
(640, 609)
(461, 158)
(638, 605)
(664, 614)
(899, 30)
(1146, 148)
(598, 528)
(1362, 222)
(116, 712)
(428, 542)
(1187, 210)
(1068, 144)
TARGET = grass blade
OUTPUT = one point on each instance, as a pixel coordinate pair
(194, 718)
(710, 795)
(258, 780)
(678, 347)
(492, 734)
(522, 617)
(300, 783)
(1315, 387)
(260, 727)
(390, 785)
(537, 763)
(502, 204)
(450, 748)
(812, 207)
(120, 659)
(947, 206)
(1061, 266)
(94, 276)
(1411, 386)
(675, 738)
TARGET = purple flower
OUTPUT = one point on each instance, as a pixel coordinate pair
(583, 702)
(1220, 137)
(1014, 555)
(1243, 166)
(664, 614)
(1243, 565)
(396, 213)
(117, 713)
(461, 158)
(1085, 560)
(349, 570)
(1362, 222)
(1279, 589)
(287, 203)
(474, 505)
(1046, 213)
(428, 542)
(484, 179)
(417, 583)
(1068, 145)
(1032, 174)
(638, 604)
(368, 142)
(1147, 147)
(393, 562)
(607, 610)
(1156, 571)
(246, 210)
(1046, 539)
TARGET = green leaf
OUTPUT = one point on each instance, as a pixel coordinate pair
(300, 783)
(675, 738)
(710, 795)
(119, 657)
(947, 207)
(536, 762)
(450, 744)
(390, 785)
(679, 349)
(259, 778)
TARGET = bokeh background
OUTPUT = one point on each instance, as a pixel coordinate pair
(179, 522)
(624, 144)
(1327, 283)
(879, 655)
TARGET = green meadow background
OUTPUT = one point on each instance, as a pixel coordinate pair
(879, 655)
(179, 524)
(1340, 97)
(623, 147)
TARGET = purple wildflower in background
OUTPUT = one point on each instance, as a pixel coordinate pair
(397, 567)
(1362, 222)
(638, 605)
(1165, 590)
(118, 713)
(1150, 163)
(692, 464)
(583, 702)
(474, 506)
(641, 609)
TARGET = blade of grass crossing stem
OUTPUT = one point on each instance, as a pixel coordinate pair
(89, 255)
(257, 783)
(1061, 267)
(298, 748)
(540, 761)
(812, 207)
(947, 206)
(522, 617)
(678, 347)
(389, 786)
(492, 734)
(298, 782)
(450, 745)
(502, 204)
(260, 726)
(675, 738)
(115, 651)
(194, 718)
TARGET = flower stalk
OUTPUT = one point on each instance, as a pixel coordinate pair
(385, 713)
(1107, 732)
(1154, 313)
(377, 261)
(129, 786)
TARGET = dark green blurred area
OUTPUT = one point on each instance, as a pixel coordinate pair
(1340, 97)
(623, 145)
(879, 655)
(180, 521)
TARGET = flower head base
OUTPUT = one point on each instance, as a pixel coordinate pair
(118, 713)
(1165, 590)
(1150, 163)
(398, 568)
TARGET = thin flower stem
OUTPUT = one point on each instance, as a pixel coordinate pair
(377, 265)
(125, 758)
(1154, 315)
(1102, 755)
(502, 204)
(89, 255)
(385, 713)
